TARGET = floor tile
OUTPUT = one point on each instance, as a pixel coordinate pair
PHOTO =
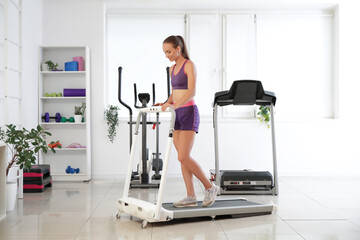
(49, 224)
(324, 227)
(333, 236)
(306, 208)
(235, 226)
(264, 237)
(113, 228)
(185, 236)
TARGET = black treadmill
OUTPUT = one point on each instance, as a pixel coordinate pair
(245, 92)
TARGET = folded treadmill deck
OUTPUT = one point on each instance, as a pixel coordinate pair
(234, 207)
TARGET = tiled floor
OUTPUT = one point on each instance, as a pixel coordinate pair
(313, 208)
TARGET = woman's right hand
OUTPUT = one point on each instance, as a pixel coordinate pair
(165, 106)
(158, 104)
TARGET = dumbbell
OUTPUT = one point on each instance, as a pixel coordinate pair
(47, 117)
(70, 119)
(71, 170)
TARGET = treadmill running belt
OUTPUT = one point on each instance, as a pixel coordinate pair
(238, 207)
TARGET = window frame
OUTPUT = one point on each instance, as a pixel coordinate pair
(221, 80)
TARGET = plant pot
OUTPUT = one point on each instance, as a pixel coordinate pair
(11, 195)
(44, 67)
(78, 118)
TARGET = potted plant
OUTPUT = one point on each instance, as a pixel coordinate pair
(79, 112)
(264, 115)
(52, 66)
(24, 145)
(112, 120)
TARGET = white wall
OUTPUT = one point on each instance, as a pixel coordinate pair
(31, 39)
(313, 147)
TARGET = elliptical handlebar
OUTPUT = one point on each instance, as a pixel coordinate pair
(135, 97)
(119, 93)
(168, 80)
(135, 91)
(125, 105)
(153, 87)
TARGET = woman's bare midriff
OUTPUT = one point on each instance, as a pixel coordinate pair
(179, 94)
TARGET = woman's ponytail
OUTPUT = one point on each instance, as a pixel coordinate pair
(184, 50)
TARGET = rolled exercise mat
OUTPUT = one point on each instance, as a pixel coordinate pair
(80, 61)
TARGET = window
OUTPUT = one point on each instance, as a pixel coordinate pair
(294, 59)
(203, 46)
(292, 55)
(134, 42)
(10, 62)
(239, 57)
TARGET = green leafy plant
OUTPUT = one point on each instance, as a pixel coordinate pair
(80, 110)
(52, 66)
(112, 120)
(264, 115)
(25, 144)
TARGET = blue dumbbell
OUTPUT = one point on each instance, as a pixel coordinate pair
(47, 117)
(71, 170)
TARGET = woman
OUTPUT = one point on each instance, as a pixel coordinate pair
(183, 81)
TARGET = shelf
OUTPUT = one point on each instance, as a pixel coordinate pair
(59, 176)
(68, 174)
(65, 132)
(69, 149)
(62, 98)
(62, 72)
(3, 164)
(62, 123)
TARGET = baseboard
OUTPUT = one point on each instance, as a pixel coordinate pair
(123, 176)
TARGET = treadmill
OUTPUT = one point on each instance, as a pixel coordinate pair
(162, 212)
(245, 92)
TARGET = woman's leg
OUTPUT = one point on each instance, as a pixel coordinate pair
(187, 175)
(184, 143)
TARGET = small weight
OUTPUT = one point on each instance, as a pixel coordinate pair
(47, 117)
(70, 119)
(57, 117)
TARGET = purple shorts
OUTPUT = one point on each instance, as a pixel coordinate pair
(187, 118)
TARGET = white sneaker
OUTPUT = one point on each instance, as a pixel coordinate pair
(186, 202)
(210, 196)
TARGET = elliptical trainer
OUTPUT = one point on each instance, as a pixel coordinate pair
(140, 178)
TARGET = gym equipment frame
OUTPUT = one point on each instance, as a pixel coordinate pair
(160, 212)
(245, 92)
(140, 178)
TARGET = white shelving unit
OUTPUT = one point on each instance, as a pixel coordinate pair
(66, 132)
(3, 162)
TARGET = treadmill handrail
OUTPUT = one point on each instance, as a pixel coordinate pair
(254, 95)
(136, 133)
(231, 101)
